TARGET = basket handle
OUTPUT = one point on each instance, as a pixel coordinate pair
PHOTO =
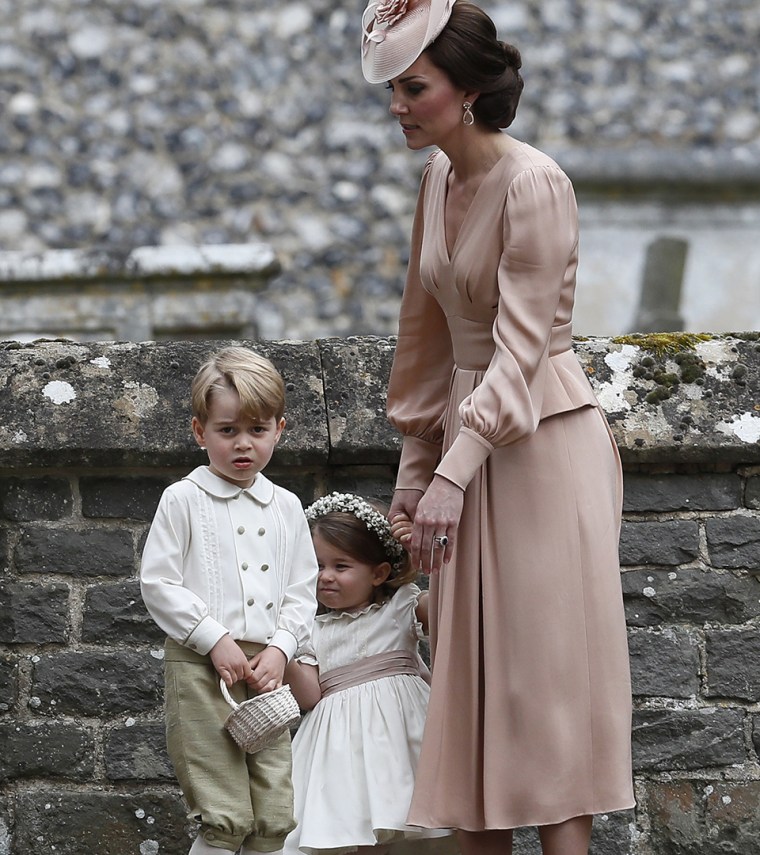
(227, 697)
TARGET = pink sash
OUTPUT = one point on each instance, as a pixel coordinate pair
(372, 668)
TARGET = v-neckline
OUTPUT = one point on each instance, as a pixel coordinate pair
(451, 251)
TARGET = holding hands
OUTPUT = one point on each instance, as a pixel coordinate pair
(431, 537)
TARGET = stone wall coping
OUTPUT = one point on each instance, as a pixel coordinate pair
(649, 165)
(142, 262)
(127, 404)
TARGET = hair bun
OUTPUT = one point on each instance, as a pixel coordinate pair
(512, 56)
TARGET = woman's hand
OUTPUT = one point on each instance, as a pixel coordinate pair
(437, 515)
(403, 507)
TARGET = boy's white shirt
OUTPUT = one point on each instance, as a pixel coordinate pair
(201, 573)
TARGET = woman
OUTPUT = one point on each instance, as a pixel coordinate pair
(508, 467)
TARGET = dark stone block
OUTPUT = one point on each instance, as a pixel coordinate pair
(33, 614)
(92, 552)
(676, 818)
(612, 833)
(45, 751)
(720, 492)
(733, 819)
(97, 684)
(688, 596)
(115, 614)
(752, 493)
(8, 684)
(663, 664)
(668, 543)
(44, 498)
(734, 541)
(122, 498)
(138, 753)
(300, 482)
(665, 740)
(756, 733)
(96, 823)
(733, 664)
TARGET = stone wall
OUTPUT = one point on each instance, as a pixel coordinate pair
(91, 434)
(148, 293)
(132, 123)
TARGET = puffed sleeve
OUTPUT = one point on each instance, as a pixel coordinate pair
(538, 260)
(421, 372)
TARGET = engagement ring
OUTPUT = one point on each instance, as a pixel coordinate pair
(440, 540)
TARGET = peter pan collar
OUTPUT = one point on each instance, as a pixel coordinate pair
(261, 491)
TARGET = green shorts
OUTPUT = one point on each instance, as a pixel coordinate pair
(237, 798)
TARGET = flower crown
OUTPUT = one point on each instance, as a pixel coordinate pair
(348, 503)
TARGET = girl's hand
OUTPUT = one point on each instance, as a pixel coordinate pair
(401, 528)
(230, 661)
(437, 515)
(401, 514)
(267, 669)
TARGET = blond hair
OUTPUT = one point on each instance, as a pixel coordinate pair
(255, 379)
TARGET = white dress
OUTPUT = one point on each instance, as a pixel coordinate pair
(355, 753)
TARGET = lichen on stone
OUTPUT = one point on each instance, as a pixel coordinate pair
(665, 343)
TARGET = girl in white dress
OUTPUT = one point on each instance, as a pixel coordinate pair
(364, 684)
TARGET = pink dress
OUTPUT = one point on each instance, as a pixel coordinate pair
(530, 711)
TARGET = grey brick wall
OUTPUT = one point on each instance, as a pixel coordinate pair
(83, 767)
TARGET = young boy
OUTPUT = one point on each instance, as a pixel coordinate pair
(229, 573)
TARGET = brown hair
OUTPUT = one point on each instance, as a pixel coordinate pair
(253, 377)
(348, 533)
(470, 54)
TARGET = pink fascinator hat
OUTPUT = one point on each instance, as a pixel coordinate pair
(396, 32)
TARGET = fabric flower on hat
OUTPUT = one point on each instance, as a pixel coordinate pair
(390, 11)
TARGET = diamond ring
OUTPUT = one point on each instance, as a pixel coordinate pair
(440, 540)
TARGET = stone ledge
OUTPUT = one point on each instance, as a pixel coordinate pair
(719, 170)
(126, 404)
(144, 262)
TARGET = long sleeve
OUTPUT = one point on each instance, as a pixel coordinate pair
(180, 612)
(537, 266)
(421, 372)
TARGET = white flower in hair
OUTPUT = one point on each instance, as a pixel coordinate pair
(348, 503)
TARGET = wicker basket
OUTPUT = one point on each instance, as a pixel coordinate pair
(256, 723)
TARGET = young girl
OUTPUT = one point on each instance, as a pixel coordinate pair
(355, 752)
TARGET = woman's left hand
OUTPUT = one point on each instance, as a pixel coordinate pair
(438, 514)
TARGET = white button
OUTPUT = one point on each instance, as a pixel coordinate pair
(241, 529)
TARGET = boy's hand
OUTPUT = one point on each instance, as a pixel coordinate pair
(229, 660)
(267, 670)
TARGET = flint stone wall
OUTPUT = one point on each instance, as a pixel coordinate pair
(189, 122)
(91, 434)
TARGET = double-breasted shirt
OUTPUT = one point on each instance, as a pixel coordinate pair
(224, 559)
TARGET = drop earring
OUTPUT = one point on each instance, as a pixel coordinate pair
(468, 118)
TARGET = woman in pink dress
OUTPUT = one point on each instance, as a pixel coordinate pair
(508, 467)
